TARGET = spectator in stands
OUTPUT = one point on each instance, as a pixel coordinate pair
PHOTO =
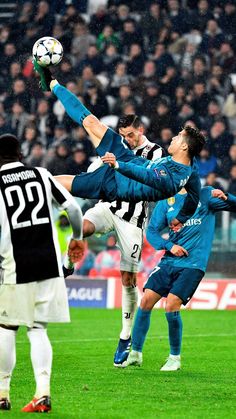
(225, 164)
(125, 96)
(220, 140)
(18, 119)
(162, 59)
(58, 165)
(213, 114)
(87, 77)
(212, 38)
(99, 20)
(29, 139)
(164, 139)
(43, 18)
(81, 41)
(66, 72)
(45, 121)
(150, 98)
(95, 100)
(151, 23)
(19, 94)
(108, 259)
(78, 162)
(202, 15)
(107, 37)
(79, 136)
(119, 78)
(162, 118)
(212, 180)
(207, 163)
(135, 60)
(131, 34)
(36, 156)
(92, 59)
(178, 16)
(200, 99)
(229, 109)
(169, 82)
(110, 58)
(225, 57)
(86, 263)
(232, 180)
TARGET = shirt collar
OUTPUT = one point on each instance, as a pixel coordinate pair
(11, 165)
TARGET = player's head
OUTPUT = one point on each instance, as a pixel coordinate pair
(131, 128)
(9, 149)
(189, 141)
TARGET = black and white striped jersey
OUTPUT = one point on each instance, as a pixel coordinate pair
(136, 213)
(29, 248)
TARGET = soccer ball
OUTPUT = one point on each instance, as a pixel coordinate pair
(47, 51)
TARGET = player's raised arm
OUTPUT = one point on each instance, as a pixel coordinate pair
(219, 201)
(64, 200)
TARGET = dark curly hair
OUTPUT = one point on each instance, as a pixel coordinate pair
(195, 140)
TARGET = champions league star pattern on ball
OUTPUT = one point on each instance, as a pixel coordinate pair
(47, 51)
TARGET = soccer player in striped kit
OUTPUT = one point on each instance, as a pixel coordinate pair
(127, 219)
(32, 286)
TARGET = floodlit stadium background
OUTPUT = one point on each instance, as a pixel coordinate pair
(170, 63)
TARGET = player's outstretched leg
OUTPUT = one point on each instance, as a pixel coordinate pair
(7, 363)
(41, 358)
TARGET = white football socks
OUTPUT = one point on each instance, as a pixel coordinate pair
(7, 359)
(41, 358)
(129, 304)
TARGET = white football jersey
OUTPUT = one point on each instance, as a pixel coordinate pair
(29, 248)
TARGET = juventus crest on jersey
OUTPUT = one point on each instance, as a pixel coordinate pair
(136, 213)
(28, 246)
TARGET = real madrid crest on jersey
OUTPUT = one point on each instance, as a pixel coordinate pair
(171, 201)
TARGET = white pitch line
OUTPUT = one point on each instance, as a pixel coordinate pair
(149, 337)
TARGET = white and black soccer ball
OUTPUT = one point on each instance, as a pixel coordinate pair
(47, 51)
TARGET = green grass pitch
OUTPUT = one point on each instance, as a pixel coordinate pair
(85, 385)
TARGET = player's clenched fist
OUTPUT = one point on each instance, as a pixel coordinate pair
(75, 250)
(179, 251)
(110, 159)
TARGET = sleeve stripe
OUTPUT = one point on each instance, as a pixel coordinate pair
(57, 194)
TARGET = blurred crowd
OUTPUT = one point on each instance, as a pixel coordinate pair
(171, 62)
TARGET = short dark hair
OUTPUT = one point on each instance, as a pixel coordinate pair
(9, 147)
(195, 140)
(129, 120)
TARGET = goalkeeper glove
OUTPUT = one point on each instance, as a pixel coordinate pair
(67, 271)
(45, 76)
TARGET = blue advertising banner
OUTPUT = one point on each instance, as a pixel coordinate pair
(87, 293)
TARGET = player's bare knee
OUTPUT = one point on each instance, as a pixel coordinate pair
(90, 122)
(88, 228)
(173, 303)
(129, 279)
(146, 303)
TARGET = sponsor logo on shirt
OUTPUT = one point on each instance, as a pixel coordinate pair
(193, 222)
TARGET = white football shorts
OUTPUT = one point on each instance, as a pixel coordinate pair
(129, 236)
(42, 301)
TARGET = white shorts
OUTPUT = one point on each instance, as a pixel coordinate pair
(129, 236)
(42, 301)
